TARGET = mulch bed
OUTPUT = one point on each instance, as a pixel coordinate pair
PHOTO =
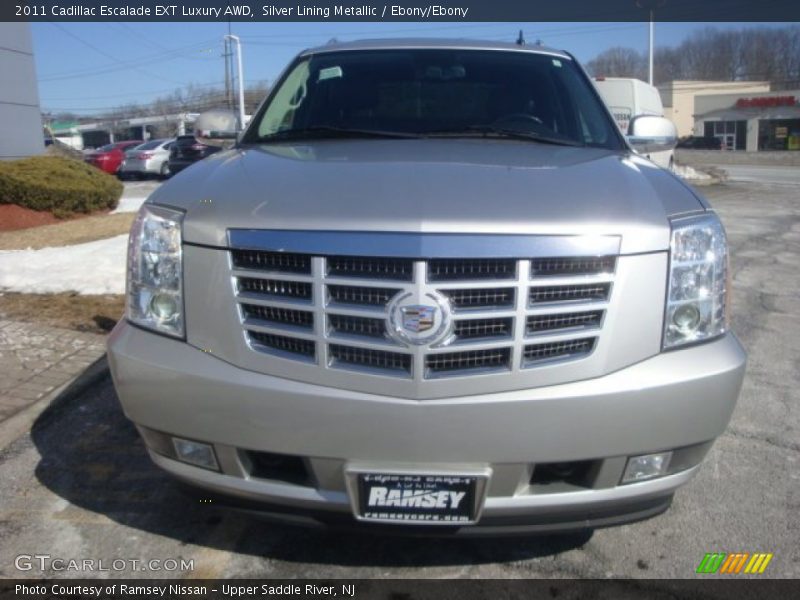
(13, 217)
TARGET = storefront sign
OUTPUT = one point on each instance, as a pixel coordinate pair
(766, 101)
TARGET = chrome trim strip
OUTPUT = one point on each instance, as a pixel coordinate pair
(422, 245)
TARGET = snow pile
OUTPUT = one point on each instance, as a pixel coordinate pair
(690, 174)
(131, 204)
(92, 268)
(134, 195)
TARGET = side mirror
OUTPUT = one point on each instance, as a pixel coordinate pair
(647, 133)
(218, 127)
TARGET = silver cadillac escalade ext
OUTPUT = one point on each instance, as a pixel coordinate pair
(431, 288)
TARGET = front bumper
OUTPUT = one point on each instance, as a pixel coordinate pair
(676, 400)
(151, 166)
(179, 164)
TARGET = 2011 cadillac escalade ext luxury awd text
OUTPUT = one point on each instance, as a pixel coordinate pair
(431, 288)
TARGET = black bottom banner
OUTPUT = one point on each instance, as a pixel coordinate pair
(398, 589)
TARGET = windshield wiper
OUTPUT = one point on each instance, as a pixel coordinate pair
(326, 132)
(503, 132)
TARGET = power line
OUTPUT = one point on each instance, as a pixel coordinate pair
(158, 46)
(107, 55)
(120, 64)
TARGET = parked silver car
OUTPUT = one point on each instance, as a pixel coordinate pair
(431, 288)
(148, 159)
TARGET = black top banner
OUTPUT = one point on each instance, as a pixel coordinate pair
(401, 10)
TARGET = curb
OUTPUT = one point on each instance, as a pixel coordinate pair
(20, 423)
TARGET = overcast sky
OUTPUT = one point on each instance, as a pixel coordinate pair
(90, 67)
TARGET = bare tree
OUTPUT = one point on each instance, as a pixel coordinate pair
(254, 95)
(618, 62)
(747, 54)
(188, 100)
(668, 64)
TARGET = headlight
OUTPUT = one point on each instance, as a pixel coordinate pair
(155, 271)
(698, 288)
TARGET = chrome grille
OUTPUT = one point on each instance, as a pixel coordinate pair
(551, 294)
(470, 360)
(558, 350)
(282, 343)
(370, 268)
(280, 316)
(483, 328)
(276, 288)
(363, 326)
(507, 314)
(537, 324)
(351, 294)
(481, 298)
(272, 261)
(450, 269)
(373, 359)
(571, 265)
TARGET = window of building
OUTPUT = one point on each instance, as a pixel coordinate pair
(779, 134)
(732, 134)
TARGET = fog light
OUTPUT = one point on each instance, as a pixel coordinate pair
(686, 318)
(647, 466)
(195, 453)
(163, 307)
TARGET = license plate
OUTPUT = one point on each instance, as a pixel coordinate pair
(412, 498)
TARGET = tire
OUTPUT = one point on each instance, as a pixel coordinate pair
(163, 173)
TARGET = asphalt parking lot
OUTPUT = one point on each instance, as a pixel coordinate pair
(81, 486)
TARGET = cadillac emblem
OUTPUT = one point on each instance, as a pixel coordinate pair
(419, 317)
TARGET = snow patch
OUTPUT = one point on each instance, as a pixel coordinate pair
(92, 268)
(131, 204)
(690, 174)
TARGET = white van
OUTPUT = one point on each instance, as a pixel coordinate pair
(70, 137)
(627, 98)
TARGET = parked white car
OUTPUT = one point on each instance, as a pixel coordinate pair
(148, 159)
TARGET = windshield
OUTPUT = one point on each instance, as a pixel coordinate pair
(436, 92)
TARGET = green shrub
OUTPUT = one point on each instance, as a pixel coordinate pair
(60, 185)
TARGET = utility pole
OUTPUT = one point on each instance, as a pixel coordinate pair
(240, 77)
(650, 52)
(226, 56)
(651, 6)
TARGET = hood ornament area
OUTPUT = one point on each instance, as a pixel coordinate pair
(420, 318)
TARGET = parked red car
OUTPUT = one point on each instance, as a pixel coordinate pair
(109, 157)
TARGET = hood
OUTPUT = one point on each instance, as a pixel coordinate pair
(430, 185)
